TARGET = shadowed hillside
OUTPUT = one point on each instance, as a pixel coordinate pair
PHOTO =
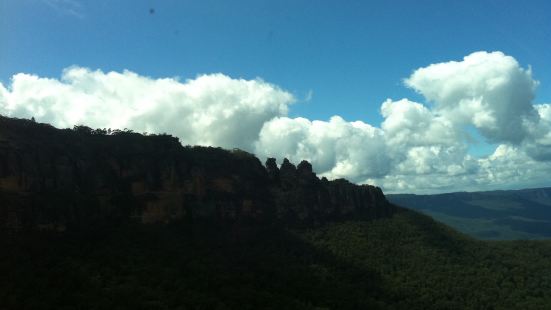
(408, 261)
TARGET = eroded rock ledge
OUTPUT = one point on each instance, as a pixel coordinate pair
(59, 179)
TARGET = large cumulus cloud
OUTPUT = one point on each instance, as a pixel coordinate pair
(209, 110)
(418, 147)
(336, 148)
(488, 90)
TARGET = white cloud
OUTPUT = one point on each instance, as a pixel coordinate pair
(209, 110)
(417, 148)
(409, 123)
(538, 144)
(336, 148)
(67, 7)
(511, 165)
(488, 90)
(309, 96)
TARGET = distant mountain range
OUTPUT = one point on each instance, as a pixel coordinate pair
(500, 215)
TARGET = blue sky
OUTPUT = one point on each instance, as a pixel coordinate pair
(352, 55)
(335, 57)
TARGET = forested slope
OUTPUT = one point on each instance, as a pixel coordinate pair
(408, 261)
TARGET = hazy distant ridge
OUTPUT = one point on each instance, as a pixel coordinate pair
(500, 214)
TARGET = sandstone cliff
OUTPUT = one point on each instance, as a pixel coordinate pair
(59, 179)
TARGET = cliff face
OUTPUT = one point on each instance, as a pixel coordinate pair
(52, 179)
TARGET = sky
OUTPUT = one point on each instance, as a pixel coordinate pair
(413, 96)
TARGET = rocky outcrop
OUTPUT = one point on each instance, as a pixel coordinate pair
(62, 179)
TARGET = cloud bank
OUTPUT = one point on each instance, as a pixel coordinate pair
(417, 148)
(66, 7)
(209, 110)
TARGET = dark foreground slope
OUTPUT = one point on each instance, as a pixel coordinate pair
(408, 261)
(82, 179)
(509, 214)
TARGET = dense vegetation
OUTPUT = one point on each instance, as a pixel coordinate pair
(405, 262)
(499, 215)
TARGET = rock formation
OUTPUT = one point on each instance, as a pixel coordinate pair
(59, 179)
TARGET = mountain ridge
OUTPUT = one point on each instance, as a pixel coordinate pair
(59, 179)
(527, 189)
